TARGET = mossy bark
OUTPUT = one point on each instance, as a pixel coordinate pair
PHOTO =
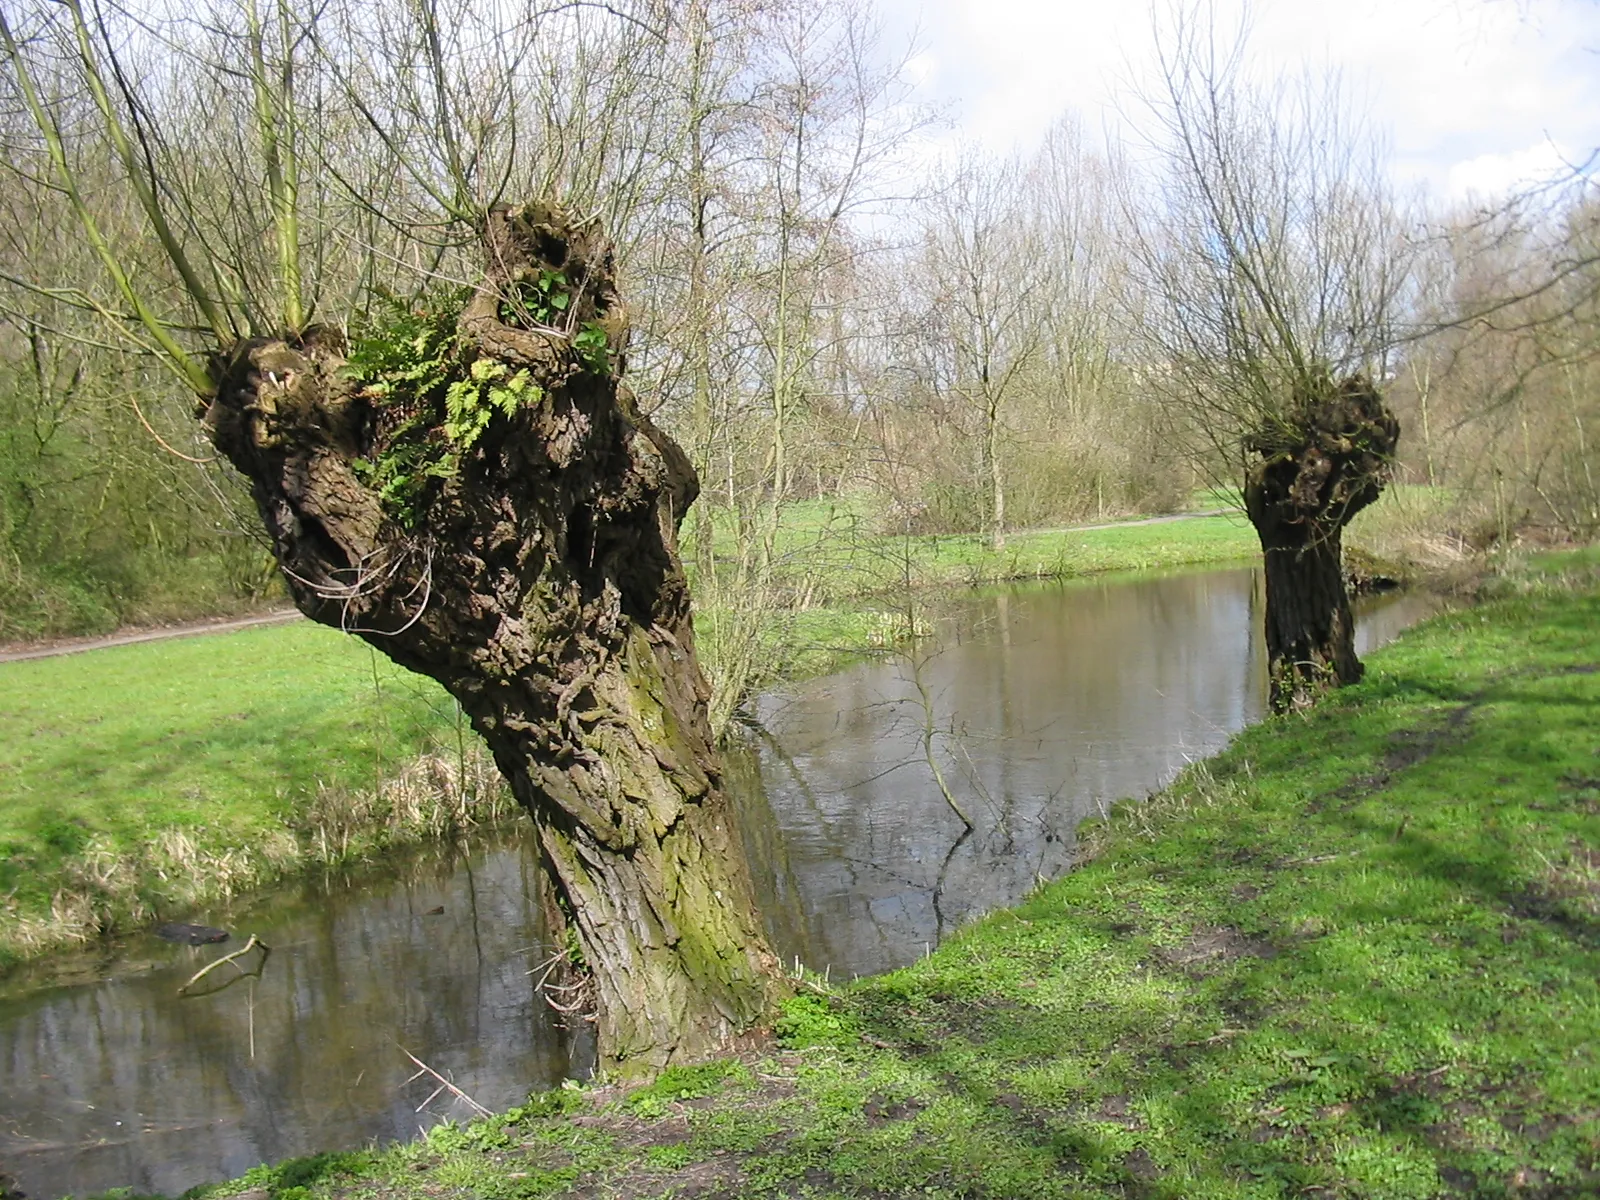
(541, 585)
(1309, 476)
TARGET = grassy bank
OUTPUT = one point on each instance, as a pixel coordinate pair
(827, 548)
(1353, 956)
(970, 560)
(143, 781)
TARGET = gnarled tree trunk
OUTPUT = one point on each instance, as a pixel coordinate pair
(526, 558)
(1311, 477)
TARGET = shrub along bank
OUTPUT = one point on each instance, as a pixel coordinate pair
(1352, 956)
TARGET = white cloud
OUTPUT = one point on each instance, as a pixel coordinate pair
(1490, 175)
(1470, 92)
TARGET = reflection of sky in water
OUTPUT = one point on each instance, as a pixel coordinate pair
(123, 1084)
(1048, 703)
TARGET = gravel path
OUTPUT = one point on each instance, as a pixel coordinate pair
(1166, 520)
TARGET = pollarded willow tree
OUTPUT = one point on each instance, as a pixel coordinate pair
(1274, 267)
(463, 479)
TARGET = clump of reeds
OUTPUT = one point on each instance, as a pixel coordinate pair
(1195, 789)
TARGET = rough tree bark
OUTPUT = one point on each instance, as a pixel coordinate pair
(540, 584)
(1309, 477)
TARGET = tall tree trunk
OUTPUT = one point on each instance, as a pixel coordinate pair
(996, 481)
(1310, 630)
(1312, 475)
(517, 541)
(697, 21)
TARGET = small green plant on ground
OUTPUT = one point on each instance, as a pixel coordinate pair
(809, 1020)
(676, 1084)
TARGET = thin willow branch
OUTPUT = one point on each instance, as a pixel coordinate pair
(160, 441)
(275, 130)
(193, 372)
(141, 175)
(254, 943)
(444, 1086)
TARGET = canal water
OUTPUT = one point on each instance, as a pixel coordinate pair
(1031, 709)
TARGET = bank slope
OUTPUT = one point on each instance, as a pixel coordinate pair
(1354, 956)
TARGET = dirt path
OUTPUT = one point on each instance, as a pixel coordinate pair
(1166, 520)
(18, 653)
(78, 645)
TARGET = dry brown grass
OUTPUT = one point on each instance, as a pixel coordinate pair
(1419, 531)
(434, 797)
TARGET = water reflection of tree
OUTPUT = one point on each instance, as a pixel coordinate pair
(178, 1073)
(962, 853)
(778, 886)
(1047, 705)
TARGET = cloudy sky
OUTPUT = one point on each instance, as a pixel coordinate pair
(1474, 95)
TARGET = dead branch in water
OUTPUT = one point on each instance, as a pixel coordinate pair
(577, 997)
(254, 943)
(444, 1086)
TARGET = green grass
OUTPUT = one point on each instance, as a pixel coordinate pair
(1565, 567)
(970, 560)
(214, 747)
(832, 555)
(1216, 496)
(184, 731)
(1353, 956)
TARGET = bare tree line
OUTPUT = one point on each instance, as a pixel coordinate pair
(981, 343)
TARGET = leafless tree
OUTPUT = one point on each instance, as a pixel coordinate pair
(986, 270)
